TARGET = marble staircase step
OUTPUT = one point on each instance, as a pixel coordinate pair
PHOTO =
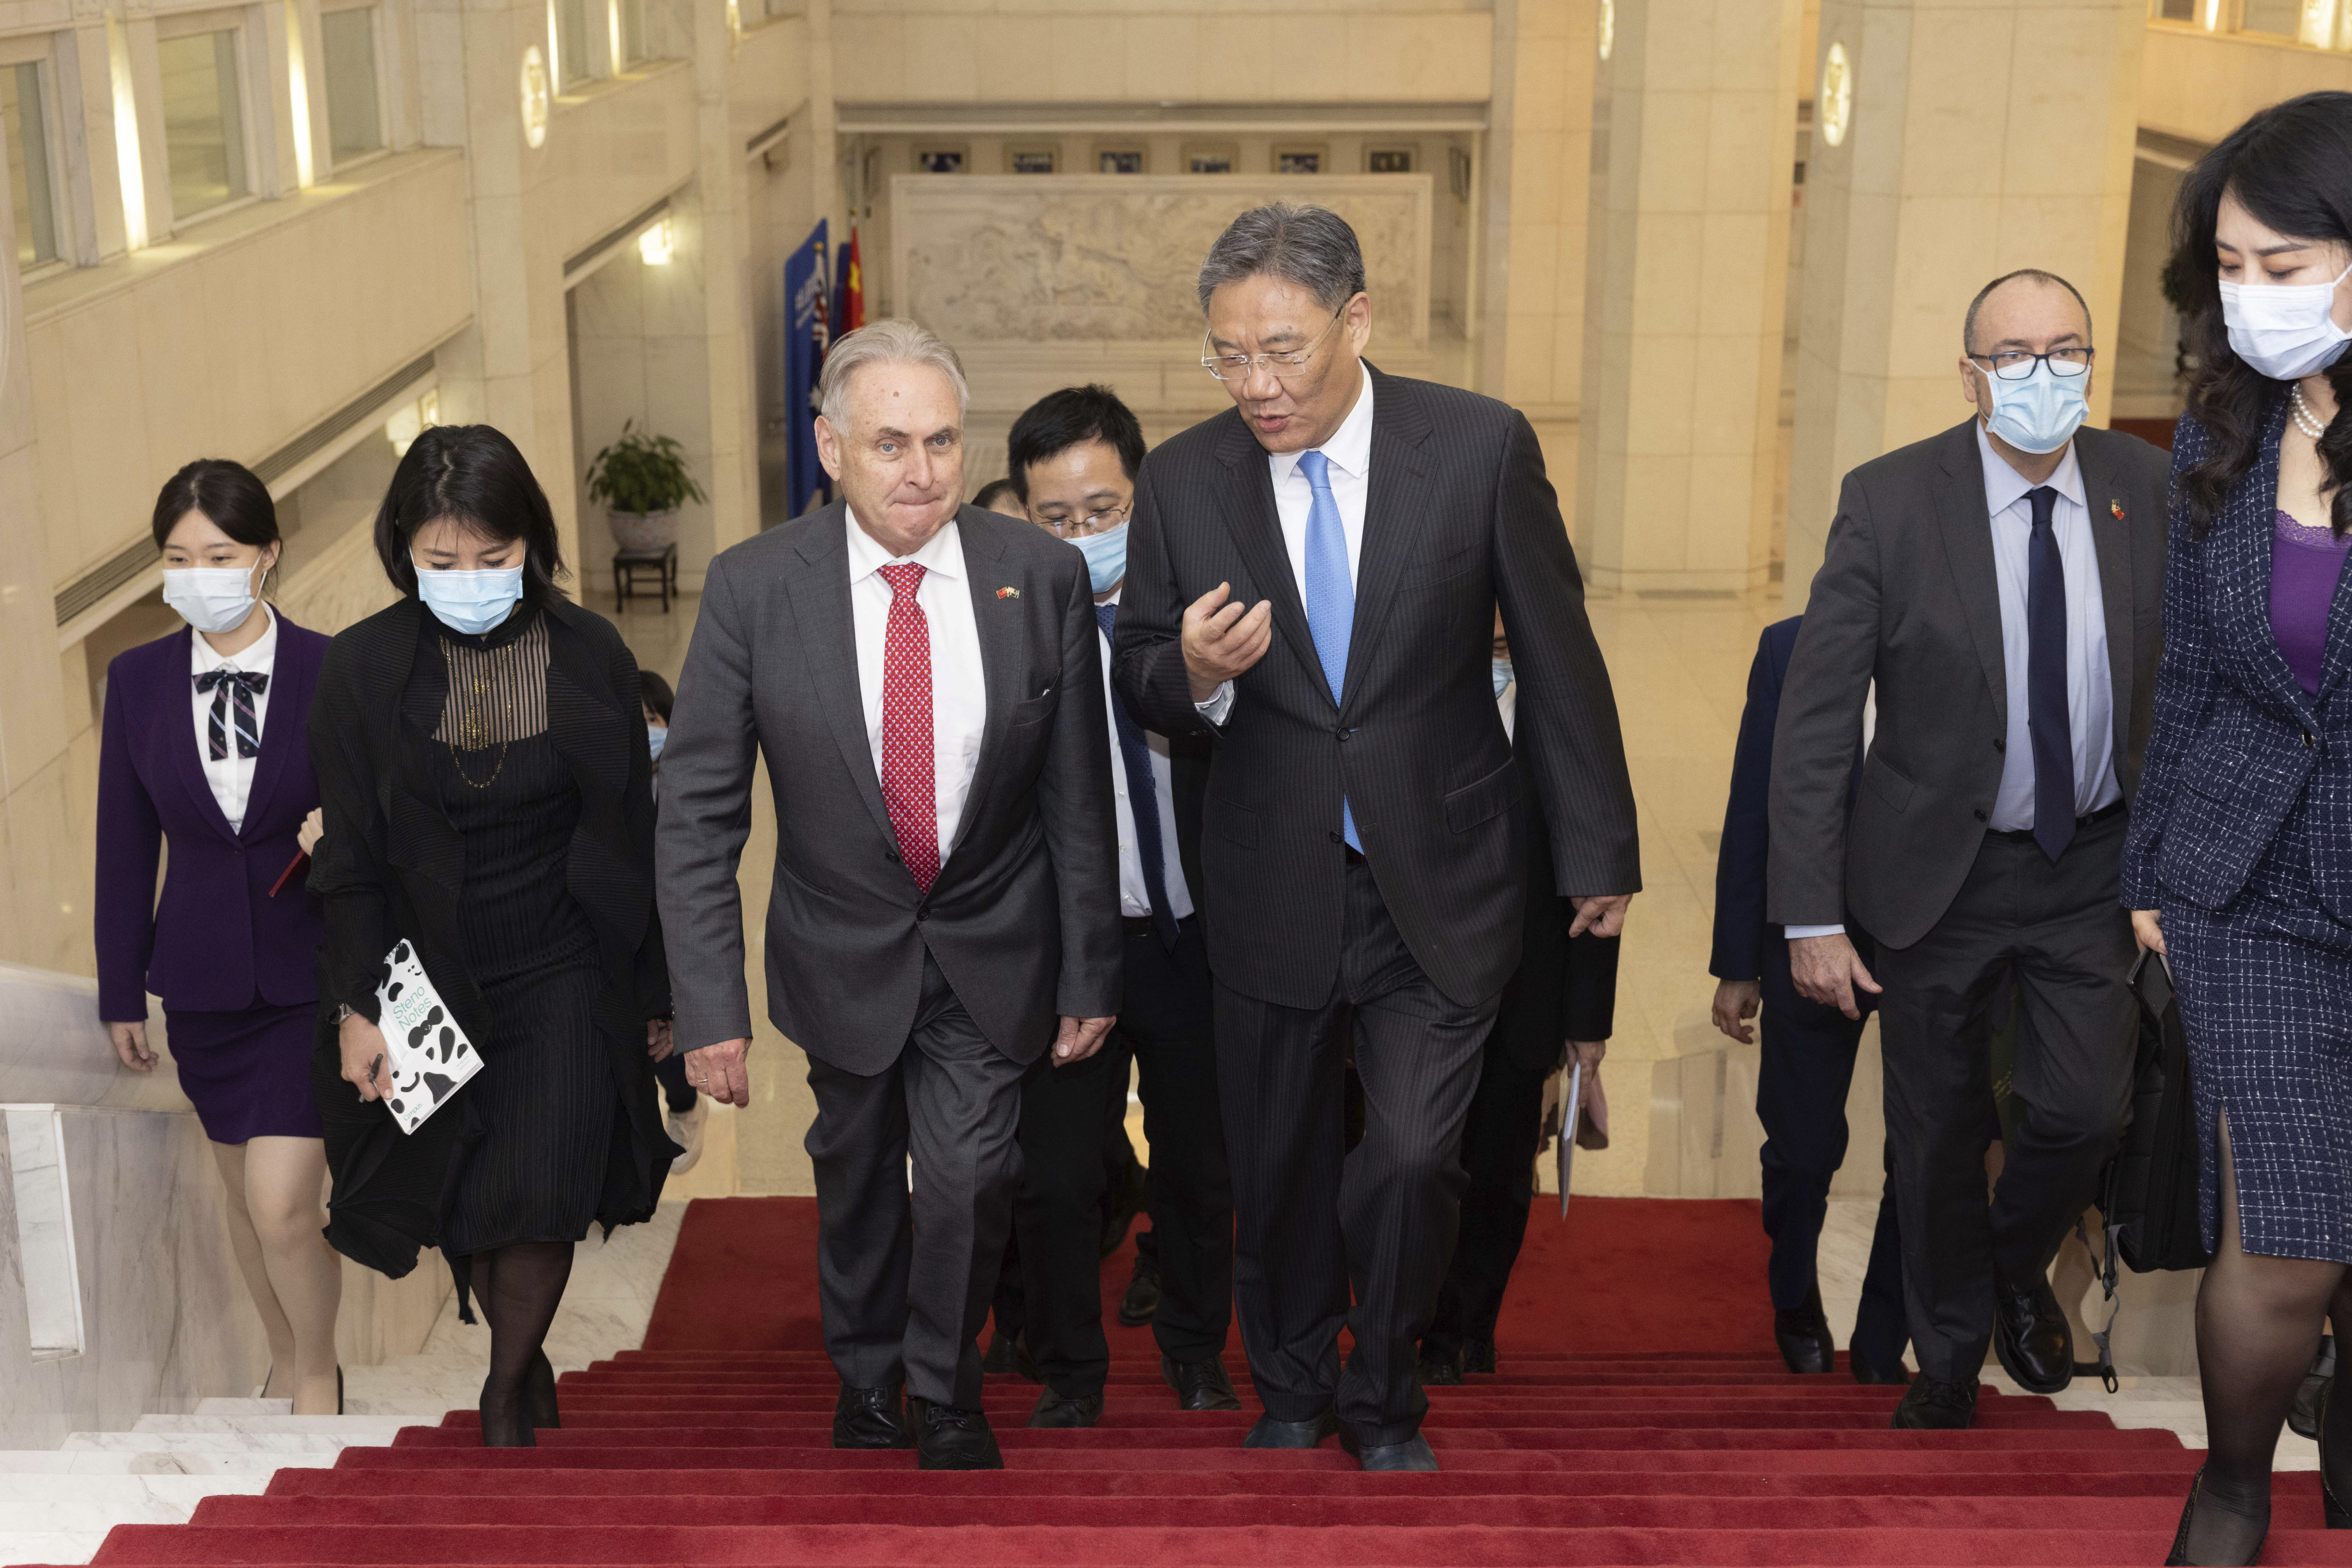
(360, 1428)
(285, 1445)
(53, 1462)
(244, 1407)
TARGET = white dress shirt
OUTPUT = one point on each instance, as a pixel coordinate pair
(2090, 690)
(1349, 450)
(2090, 694)
(231, 777)
(958, 690)
(1134, 892)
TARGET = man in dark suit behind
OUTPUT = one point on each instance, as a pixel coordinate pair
(1805, 1067)
(924, 682)
(2003, 583)
(1312, 578)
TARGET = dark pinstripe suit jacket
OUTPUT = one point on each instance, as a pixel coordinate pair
(2237, 740)
(1458, 517)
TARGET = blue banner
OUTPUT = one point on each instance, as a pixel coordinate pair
(806, 287)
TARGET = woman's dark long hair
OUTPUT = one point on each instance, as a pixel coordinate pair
(230, 494)
(2291, 167)
(473, 476)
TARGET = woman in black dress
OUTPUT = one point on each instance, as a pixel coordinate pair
(483, 762)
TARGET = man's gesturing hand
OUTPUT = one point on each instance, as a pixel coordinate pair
(720, 1071)
(1079, 1038)
(1222, 640)
(1827, 971)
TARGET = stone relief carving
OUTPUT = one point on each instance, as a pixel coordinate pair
(1112, 258)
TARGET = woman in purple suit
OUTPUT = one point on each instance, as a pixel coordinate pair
(206, 745)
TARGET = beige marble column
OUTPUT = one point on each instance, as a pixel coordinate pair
(1978, 138)
(1686, 257)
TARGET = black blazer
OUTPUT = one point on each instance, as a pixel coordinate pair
(1565, 988)
(391, 865)
(2238, 741)
(1908, 594)
(1023, 916)
(1459, 516)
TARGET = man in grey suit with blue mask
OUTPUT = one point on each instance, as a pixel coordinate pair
(2002, 583)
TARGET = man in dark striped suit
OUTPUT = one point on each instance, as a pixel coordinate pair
(1312, 580)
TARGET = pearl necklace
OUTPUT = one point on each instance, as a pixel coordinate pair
(2305, 420)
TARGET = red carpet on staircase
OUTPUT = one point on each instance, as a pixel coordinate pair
(1640, 1416)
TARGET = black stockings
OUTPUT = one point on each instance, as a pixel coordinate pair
(2258, 1324)
(520, 1287)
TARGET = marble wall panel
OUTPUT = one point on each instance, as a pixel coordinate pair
(1112, 258)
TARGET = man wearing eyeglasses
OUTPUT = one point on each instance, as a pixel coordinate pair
(1312, 580)
(2003, 583)
(1074, 458)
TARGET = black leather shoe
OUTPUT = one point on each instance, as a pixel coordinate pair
(2229, 1538)
(1478, 1355)
(1412, 1453)
(1125, 1204)
(948, 1438)
(2303, 1415)
(1141, 1302)
(870, 1419)
(1440, 1368)
(1270, 1433)
(1866, 1370)
(1931, 1404)
(1011, 1355)
(2338, 1517)
(1803, 1335)
(1052, 1410)
(1200, 1385)
(2031, 1336)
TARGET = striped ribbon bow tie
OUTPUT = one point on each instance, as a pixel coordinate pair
(246, 685)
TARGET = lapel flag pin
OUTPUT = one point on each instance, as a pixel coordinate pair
(1015, 593)
(2117, 509)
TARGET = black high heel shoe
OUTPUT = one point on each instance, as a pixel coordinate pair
(539, 1388)
(2338, 1516)
(2179, 1557)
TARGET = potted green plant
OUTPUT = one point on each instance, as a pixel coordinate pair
(641, 480)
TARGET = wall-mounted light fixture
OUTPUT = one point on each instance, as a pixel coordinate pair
(1833, 105)
(410, 420)
(658, 244)
(534, 96)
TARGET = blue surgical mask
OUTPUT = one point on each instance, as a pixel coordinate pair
(2042, 413)
(1106, 555)
(470, 602)
(1503, 676)
(654, 735)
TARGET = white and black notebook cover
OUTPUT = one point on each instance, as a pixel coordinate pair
(430, 1056)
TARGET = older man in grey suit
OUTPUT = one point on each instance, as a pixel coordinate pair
(2003, 583)
(924, 682)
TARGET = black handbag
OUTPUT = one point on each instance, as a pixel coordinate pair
(2150, 1190)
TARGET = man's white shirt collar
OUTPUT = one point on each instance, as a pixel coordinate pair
(942, 553)
(1350, 446)
(2005, 487)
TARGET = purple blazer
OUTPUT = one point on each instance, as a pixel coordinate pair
(217, 936)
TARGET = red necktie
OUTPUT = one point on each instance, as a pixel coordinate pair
(908, 787)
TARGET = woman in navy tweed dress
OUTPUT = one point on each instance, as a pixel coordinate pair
(2239, 864)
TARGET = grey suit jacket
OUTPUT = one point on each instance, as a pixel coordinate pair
(1907, 596)
(1023, 916)
(1458, 517)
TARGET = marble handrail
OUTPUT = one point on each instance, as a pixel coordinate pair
(54, 1050)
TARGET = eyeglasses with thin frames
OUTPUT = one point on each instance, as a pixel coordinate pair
(1091, 523)
(1238, 367)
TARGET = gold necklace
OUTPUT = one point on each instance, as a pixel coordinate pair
(473, 734)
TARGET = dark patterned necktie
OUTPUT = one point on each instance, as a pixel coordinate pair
(2048, 720)
(909, 754)
(1142, 799)
(245, 685)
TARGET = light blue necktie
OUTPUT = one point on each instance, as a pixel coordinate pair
(1330, 596)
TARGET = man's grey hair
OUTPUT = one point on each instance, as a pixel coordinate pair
(1312, 246)
(1969, 322)
(892, 341)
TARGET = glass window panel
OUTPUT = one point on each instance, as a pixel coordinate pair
(27, 131)
(203, 121)
(2277, 18)
(633, 31)
(355, 121)
(571, 39)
